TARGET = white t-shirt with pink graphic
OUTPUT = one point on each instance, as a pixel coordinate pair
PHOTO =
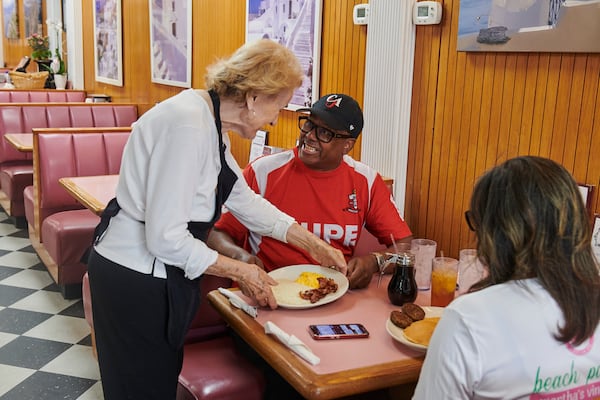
(499, 343)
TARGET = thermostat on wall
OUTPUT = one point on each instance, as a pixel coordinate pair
(427, 12)
(360, 15)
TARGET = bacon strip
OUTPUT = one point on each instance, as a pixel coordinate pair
(326, 286)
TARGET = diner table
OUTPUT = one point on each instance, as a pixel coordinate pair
(94, 192)
(23, 142)
(347, 366)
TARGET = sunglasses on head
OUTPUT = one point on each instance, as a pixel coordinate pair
(469, 219)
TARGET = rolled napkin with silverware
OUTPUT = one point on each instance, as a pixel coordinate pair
(292, 342)
(238, 302)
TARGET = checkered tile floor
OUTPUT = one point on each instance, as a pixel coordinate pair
(45, 342)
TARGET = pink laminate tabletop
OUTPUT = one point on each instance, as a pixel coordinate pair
(94, 192)
(348, 366)
(23, 142)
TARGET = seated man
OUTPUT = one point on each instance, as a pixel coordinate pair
(328, 192)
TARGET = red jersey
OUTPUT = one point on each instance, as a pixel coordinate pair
(334, 205)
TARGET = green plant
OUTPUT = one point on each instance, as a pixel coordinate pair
(40, 47)
(58, 64)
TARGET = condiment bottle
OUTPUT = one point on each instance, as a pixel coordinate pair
(403, 286)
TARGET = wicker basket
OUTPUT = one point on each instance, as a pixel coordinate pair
(31, 80)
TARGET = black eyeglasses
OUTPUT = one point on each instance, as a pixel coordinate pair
(323, 134)
(469, 219)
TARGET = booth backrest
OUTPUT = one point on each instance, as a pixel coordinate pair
(41, 95)
(23, 117)
(68, 152)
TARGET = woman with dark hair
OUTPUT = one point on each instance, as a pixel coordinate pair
(530, 328)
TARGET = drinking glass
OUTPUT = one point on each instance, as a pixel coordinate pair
(424, 251)
(470, 270)
(443, 280)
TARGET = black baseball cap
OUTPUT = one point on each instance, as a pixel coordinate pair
(340, 112)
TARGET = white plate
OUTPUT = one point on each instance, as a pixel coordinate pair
(398, 333)
(286, 277)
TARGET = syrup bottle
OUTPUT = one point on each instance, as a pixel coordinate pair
(403, 286)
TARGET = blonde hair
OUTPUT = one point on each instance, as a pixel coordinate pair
(262, 66)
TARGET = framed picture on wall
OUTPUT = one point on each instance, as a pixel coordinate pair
(586, 194)
(596, 237)
(10, 12)
(108, 54)
(297, 25)
(171, 42)
(32, 10)
(529, 26)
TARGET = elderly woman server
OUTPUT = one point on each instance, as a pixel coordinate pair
(176, 173)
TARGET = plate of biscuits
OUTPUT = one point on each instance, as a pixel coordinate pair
(413, 325)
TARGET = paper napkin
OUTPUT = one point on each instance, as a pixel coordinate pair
(237, 301)
(292, 342)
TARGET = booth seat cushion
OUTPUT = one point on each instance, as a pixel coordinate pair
(42, 95)
(215, 370)
(207, 323)
(29, 205)
(13, 180)
(67, 235)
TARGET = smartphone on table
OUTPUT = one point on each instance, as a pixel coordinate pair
(338, 331)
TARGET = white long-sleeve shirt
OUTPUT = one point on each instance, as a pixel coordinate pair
(168, 177)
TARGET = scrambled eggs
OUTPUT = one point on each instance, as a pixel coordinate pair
(309, 279)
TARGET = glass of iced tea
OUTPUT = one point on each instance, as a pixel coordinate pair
(443, 280)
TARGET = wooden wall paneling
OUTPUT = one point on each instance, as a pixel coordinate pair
(479, 130)
(331, 17)
(573, 137)
(417, 117)
(577, 119)
(593, 177)
(590, 113)
(515, 127)
(451, 90)
(529, 77)
(550, 106)
(495, 110)
(508, 104)
(558, 152)
(475, 72)
(462, 104)
(420, 140)
(541, 90)
(506, 108)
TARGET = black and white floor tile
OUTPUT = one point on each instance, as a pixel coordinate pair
(45, 342)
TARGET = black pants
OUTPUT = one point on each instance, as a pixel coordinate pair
(131, 312)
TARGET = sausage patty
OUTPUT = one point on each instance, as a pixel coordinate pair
(400, 319)
(415, 312)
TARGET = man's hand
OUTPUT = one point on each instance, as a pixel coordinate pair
(248, 258)
(361, 270)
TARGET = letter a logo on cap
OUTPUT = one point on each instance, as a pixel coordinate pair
(333, 101)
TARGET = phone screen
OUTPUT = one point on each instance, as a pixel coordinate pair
(338, 331)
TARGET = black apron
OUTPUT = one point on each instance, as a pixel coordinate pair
(184, 294)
